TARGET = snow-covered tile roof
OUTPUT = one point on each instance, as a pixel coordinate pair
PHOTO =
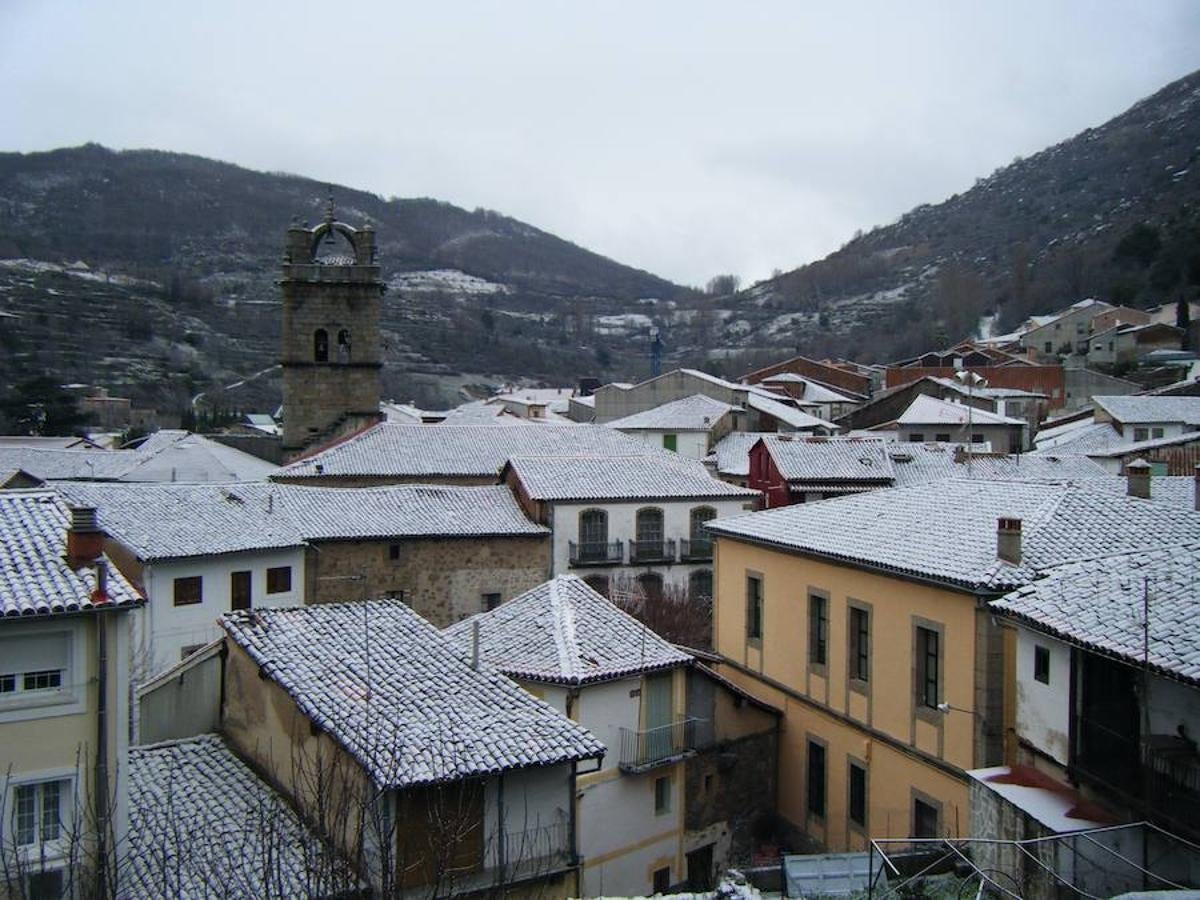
(196, 458)
(658, 477)
(804, 460)
(793, 417)
(51, 464)
(405, 510)
(1098, 604)
(946, 530)
(1149, 408)
(1095, 437)
(399, 696)
(1175, 490)
(814, 391)
(564, 632)
(421, 451)
(694, 413)
(165, 521)
(202, 824)
(926, 410)
(921, 463)
(992, 392)
(35, 579)
(480, 412)
(168, 455)
(1187, 437)
(732, 452)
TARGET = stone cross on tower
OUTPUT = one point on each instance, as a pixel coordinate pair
(332, 295)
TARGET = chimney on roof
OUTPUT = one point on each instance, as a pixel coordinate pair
(1008, 540)
(1137, 476)
(475, 644)
(85, 539)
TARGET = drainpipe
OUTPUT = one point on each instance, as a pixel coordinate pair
(100, 598)
(501, 838)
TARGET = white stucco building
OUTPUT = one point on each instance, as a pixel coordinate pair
(196, 552)
(616, 521)
(575, 650)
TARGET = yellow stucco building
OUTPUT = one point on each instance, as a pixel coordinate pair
(866, 620)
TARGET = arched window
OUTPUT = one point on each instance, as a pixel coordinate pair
(593, 534)
(700, 586)
(649, 542)
(651, 584)
(343, 346)
(598, 583)
(321, 345)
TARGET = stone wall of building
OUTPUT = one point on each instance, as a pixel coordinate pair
(730, 791)
(443, 579)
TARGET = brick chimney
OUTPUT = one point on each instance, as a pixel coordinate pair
(1008, 540)
(1137, 476)
(85, 539)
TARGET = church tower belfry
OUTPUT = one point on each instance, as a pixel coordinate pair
(332, 295)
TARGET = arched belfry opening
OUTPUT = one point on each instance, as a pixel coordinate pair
(331, 356)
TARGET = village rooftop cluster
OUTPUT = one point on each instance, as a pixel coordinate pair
(612, 641)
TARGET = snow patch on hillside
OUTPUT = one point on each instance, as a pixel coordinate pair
(449, 280)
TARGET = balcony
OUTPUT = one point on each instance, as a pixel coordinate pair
(696, 550)
(596, 553)
(514, 856)
(1160, 775)
(652, 551)
(653, 747)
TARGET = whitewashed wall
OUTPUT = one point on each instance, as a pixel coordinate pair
(622, 526)
(692, 444)
(1044, 710)
(163, 629)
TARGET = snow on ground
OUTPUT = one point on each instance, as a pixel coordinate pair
(449, 280)
(75, 270)
(878, 298)
(623, 323)
(787, 321)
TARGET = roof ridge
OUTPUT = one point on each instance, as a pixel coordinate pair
(566, 641)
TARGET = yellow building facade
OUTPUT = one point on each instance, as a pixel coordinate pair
(883, 682)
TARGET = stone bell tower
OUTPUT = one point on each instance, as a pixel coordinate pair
(331, 360)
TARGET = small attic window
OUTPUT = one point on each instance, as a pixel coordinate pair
(321, 345)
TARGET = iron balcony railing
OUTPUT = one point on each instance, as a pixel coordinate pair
(696, 549)
(1162, 773)
(651, 747)
(651, 551)
(596, 553)
(513, 856)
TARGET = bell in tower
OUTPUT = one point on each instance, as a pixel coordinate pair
(332, 296)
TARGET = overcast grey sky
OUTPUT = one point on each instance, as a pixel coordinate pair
(686, 138)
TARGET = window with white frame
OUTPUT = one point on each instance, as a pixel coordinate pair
(34, 668)
(38, 812)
